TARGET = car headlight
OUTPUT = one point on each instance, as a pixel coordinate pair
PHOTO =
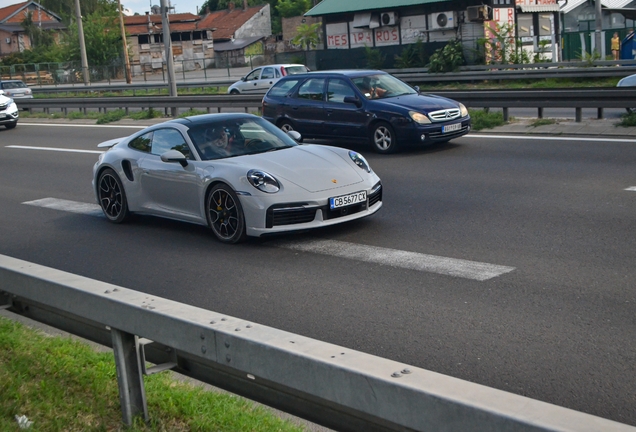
(463, 110)
(359, 160)
(419, 117)
(263, 181)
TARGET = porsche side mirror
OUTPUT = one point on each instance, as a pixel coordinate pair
(174, 156)
(353, 100)
(295, 136)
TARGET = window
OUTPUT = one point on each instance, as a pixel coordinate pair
(268, 73)
(169, 139)
(142, 143)
(338, 89)
(281, 88)
(143, 39)
(312, 89)
(253, 75)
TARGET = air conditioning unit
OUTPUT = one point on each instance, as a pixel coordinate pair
(388, 18)
(479, 13)
(442, 20)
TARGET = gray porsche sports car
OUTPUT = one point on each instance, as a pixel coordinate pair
(236, 173)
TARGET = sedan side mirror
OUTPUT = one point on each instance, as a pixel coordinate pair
(296, 136)
(174, 156)
(353, 100)
(417, 89)
(1, 92)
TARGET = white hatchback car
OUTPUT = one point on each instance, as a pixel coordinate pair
(259, 80)
(8, 111)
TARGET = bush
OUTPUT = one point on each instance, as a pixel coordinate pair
(111, 116)
(412, 56)
(375, 59)
(482, 119)
(447, 59)
(145, 114)
(628, 120)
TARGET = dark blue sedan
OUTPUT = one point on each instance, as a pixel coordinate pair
(363, 105)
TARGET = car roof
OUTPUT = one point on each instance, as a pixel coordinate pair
(280, 65)
(352, 73)
(11, 80)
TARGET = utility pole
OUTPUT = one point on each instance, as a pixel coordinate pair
(125, 42)
(599, 28)
(167, 42)
(80, 31)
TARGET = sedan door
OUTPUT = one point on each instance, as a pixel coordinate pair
(170, 189)
(251, 82)
(306, 108)
(267, 79)
(343, 119)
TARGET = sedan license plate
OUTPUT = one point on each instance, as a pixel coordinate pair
(347, 200)
(451, 128)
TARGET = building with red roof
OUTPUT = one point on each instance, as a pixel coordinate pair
(12, 36)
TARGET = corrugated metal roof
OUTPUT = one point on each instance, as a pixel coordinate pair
(235, 44)
(610, 4)
(539, 8)
(328, 7)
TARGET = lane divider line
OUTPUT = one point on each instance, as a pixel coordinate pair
(55, 149)
(370, 254)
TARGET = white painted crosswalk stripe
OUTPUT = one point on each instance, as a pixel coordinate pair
(371, 254)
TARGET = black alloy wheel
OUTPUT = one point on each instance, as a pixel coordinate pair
(383, 139)
(225, 214)
(112, 197)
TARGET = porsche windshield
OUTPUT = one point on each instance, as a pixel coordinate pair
(237, 137)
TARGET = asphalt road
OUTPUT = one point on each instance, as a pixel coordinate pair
(559, 326)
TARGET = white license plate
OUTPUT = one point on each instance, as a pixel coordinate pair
(347, 200)
(451, 128)
(2, 115)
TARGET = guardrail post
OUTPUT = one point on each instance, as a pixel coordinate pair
(506, 115)
(599, 113)
(540, 113)
(578, 115)
(132, 395)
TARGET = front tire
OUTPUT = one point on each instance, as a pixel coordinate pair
(234, 92)
(112, 197)
(11, 125)
(225, 214)
(383, 139)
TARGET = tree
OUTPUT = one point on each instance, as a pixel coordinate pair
(291, 8)
(307, 35)
(102, 38)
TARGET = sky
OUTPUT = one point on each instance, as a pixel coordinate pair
(141, 6)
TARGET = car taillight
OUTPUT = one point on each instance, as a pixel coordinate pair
(283, 71)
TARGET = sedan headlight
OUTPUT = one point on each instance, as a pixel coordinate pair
(359, 160)
(419, 117)
(463, 110)
(263, 181)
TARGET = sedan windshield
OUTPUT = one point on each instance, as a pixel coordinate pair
(382, 86)
(237, 137)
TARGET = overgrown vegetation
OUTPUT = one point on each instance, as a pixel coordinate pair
(542, 122)
(375, 58)
(484, 119)
(414, 55)
(628, 119)
(447, 59)
(61, 384)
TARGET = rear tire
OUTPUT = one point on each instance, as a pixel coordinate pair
(112, 197)
(286, 126)
(234, 92)
(383, 139)
(225, 215)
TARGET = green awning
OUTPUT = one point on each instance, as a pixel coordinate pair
(329, 7)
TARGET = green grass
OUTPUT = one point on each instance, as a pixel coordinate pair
(482, 119)
(542, 122)
(149, 92)
(628, 120)
(62, 384)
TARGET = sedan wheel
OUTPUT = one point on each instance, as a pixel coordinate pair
(286, 126)
(383, 138)
(225, 214)
(234, 92)
(112, 197)
(11, 125)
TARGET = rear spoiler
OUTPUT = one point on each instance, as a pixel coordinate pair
(109, 143)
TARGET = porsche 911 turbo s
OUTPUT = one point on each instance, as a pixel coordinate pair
(236, 173)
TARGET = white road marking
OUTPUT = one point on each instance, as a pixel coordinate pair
(68, 206)
(631, 188)
(551, 138)
(56, 149)
(398, 258)
(371, 254)
(82, 125)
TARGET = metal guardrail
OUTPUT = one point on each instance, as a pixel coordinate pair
(336, 387)
(565, 98)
